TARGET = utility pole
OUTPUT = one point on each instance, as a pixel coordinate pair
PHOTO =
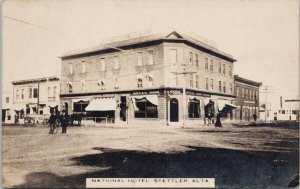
(184, 73)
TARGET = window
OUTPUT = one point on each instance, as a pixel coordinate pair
(22, 94)
(230, 71)
(83, 67)
(145, 109)
(140, 59)
(194, 108)
(54, 91)
(191, 81)
(139, 82)
(70, 69)
(197, 81)
(196, 60)
(237, 91)
(7, 100)
(49, 91)
(220, 86)
(115, 79)
(224, 87)
(150, 57)
(17, 94)
(173, 55)
(82, 83)
(30, 92)
(69, 85)
(220, 67)
(191, 58)
(102, 62)
(224, 71)
(101, 84)
(250, 93)
(149, 80)
(35, 93)
(246, 93)
(206, 83)
(242, 92)
(230, 88)
(206, 63)
(211, 65)
(116, 63)
(212, 84)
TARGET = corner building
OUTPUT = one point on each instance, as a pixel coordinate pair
(141, 81)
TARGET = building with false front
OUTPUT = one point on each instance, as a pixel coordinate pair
(247, 98)
(35, 98)
(143, 81)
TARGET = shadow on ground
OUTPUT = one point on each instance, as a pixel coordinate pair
(231, 168)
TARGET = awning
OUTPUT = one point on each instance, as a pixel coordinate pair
(194, 97)
(228, 107)
(53, 104)
(153, 99)
(19, 107)
(102, 104)
(221, 104)
(79, 99)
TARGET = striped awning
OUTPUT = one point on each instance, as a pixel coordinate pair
(102, 104)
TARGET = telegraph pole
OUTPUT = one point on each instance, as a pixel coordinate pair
(184, 73)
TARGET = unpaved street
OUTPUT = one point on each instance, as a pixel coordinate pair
(234, 155)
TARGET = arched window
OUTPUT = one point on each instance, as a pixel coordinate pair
(82, 83)
(70, 87)
(101, 84)
(139, 81)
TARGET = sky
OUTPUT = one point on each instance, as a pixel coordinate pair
(262, 35)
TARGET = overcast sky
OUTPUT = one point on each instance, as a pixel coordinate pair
(261, 35)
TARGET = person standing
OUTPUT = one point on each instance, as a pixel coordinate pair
(51, 122)
(254, 117)
(64, 122)
(218, 122)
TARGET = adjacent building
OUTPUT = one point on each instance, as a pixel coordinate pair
(7, 115)
(35, 97)
(247, 98)
(158, 79)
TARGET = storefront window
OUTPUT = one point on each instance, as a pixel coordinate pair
(145, 109)
(194, 109)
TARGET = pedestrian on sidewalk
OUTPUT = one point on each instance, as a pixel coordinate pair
(64, 122)
(254, 117)
(218, 122)
(51, 122)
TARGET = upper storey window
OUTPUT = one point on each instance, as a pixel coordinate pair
(150, 57)
(116, 62)
(196, 60)
(70, 69)
(230, 71)
(206, 63)
(191, 58)
(102, 62)
(211, 65)
(140, 59)
(83, 67)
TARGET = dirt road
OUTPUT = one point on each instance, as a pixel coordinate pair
(235, 156)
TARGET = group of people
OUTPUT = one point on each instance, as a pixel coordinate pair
(57, 119)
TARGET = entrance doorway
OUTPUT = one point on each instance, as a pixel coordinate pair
(123, 108)
(174, 110)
